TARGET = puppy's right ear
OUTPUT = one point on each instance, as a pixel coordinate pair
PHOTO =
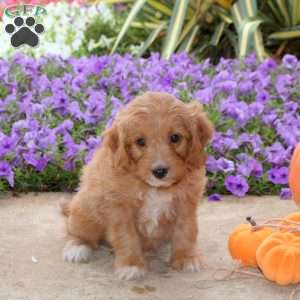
(114, 139)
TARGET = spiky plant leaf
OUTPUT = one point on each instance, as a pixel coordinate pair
(175, 26)
(138, 5)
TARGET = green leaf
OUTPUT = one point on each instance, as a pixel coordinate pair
(295, 11)
(244, 9)
(152, 37)
(237, 15)
(218, 34)
(175, 27)
(188, 27)
(247, 25)
(248, 40)
(285, 34)
(233, 40)
(250, 7)
(222, 13)
(187, 44)
(160, 7)
(275, 11)
(138, 5)
(284, 11)
(144, 24)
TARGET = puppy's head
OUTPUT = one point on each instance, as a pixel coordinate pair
(159, 139)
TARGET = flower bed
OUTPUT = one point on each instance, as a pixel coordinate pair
(53, 111)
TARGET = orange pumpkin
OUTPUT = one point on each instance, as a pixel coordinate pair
(278, 257)
(244, 241)
(294, 174)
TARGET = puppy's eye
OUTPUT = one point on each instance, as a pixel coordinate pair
(175, 138)
(141, 142)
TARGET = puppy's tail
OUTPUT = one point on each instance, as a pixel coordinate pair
(64, 207)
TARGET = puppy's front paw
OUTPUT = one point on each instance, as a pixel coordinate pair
(130, 272)
(187, 263)
(76, 253)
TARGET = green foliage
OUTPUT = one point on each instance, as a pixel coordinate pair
(53, 178)
(281, 27)
(100, 36)
(174, 25)
(212, 29)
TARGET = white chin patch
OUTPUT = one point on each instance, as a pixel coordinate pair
(130, 273)
(157, 182)
(76, 253)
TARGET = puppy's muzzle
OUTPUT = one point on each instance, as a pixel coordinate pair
(160, 172)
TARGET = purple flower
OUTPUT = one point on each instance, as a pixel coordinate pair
(246, 86)
(222, 142)
(236, 185)
(37, 161)
(225, 165)
(65, 126)
(78, 82)
(6, 172)
(236, 110)
(61, 102)
(284, 85)
(250, 167)
(69, 165)
(211, 164)
(262, 96)
(214, 197)
(285, 194)
(226, 86)
(59, 117)
(276, 154)
(205, 96)
(269, 117)
(290, 61)
(279, 175)
(8, 145)
(95, 107)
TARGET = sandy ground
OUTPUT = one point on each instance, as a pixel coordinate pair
(31, 266)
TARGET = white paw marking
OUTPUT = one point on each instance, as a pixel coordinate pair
(130, 273)
(76, 253)
(192, 265)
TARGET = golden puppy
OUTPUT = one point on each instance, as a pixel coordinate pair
(143, 186)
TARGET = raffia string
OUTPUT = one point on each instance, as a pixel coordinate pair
(242, 271)
(277, 223)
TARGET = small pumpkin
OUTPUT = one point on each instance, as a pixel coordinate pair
(244, 241)
(278, 257)
(294, 174)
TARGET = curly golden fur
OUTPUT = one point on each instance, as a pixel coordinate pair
(123, 201)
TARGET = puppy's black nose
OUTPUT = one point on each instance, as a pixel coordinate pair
(160, 172)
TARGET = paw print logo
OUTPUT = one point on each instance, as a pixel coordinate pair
(24, 33)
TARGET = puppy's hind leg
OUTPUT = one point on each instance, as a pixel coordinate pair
(83, 237)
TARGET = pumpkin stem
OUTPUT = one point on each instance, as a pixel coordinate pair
(251, 221)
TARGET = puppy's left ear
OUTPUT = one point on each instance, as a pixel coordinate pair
(114, 138)
(202, 131)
